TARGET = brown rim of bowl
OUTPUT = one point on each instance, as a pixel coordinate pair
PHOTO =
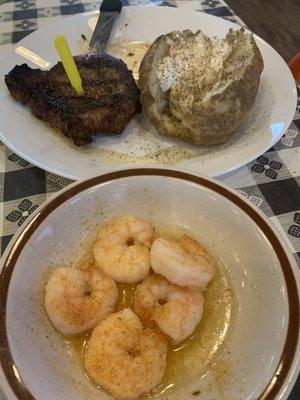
(290, 346)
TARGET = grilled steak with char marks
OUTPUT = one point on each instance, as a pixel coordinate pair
(110, 98)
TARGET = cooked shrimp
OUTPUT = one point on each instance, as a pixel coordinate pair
(176, 310)
(122, 249)
(77, 300)
(184, 262)
(123, 357)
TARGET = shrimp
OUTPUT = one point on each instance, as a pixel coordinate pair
(77, 300)
(176, 310)
(122, 249)
(184, 262)
(123, 357)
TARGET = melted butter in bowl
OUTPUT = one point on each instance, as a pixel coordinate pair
(132, 53)
(196, 356)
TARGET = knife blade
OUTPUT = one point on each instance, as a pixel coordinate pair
(109, 11)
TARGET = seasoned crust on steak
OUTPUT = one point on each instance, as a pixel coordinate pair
(110, 98)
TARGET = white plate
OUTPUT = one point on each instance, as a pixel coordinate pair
(35, 141)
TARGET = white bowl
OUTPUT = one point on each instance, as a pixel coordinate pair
(259, 357)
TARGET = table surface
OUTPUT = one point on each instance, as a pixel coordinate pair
(284, 35)
(271, 182)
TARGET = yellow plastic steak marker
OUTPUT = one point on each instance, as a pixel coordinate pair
(70, 67)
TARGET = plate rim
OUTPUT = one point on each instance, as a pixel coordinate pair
(285, 374)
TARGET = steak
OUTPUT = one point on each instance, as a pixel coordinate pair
(110, 98)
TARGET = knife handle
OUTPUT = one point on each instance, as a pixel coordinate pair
(111, 5)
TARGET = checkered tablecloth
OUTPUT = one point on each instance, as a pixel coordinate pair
(271, 182)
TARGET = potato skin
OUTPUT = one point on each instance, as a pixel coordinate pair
(204, 124)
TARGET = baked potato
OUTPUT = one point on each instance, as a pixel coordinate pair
(197, 88)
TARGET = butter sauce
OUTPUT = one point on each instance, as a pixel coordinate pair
(131, 53)
(192, 358)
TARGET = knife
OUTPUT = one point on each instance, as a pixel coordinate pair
(109, 11)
